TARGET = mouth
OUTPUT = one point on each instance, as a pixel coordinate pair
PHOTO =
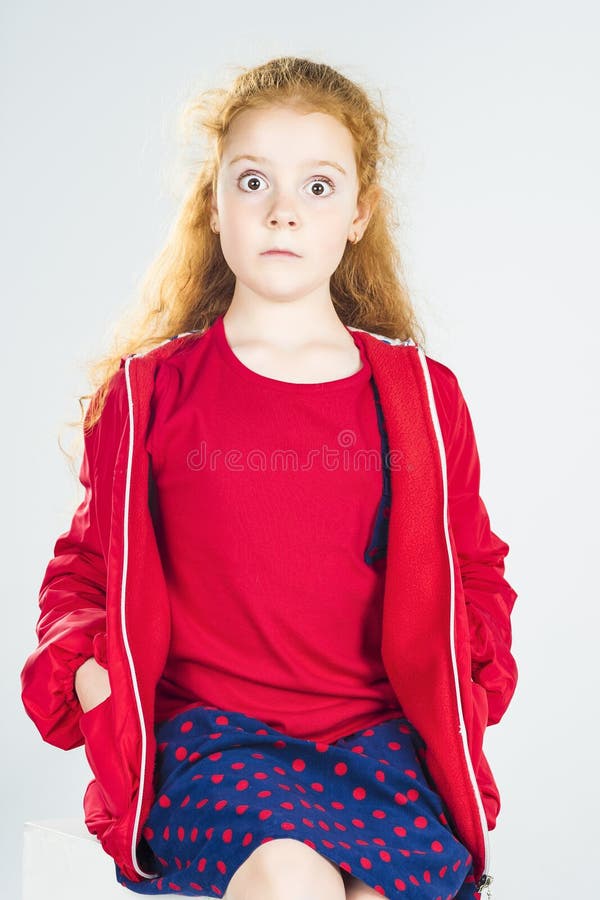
(279, 253)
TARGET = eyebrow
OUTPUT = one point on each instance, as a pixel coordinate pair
(312, 162)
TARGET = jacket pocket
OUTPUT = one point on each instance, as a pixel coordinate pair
(102, 752)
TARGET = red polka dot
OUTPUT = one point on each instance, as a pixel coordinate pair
(227, 835)
(379, 775)
(201, 864)
(437, 846)
(166, 833)
(379, 814)
(242, 785)
(238, 765)
(443, 871)
(247, 839)
(384, 855)
(241, 809)
(221, 866)
(316, 786)
(298, 765)
(394, 745)
(265, 814)
(399, 884)
(411, 773)
(366, 863)
(400, 798)
(193, 757)
(221, 804)
(148, 833)
(185, 801)
(222, 720)
(456, 865)
(412, 794)
(420, 822)
(216, 779)
(359, 793)
(358, 823)
(164, 801)
(288, 826)
(187, 726)
(193, 834)
(181, 833)
(427, 876)
(414, 880)
(340, 768)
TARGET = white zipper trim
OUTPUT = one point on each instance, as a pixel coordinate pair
(138, 701)
(382, 337)
(462, 730)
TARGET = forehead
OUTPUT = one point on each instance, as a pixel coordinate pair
(288, 135)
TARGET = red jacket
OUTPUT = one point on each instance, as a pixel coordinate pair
(446, 618)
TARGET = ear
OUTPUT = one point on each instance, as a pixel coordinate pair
(364, 210)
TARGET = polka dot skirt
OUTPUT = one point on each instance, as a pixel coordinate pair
(226, 783)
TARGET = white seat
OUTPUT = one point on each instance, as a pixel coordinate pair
(63, 861)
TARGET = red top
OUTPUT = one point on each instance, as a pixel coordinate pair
(266, 497)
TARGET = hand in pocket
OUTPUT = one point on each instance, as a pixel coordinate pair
(92, 685)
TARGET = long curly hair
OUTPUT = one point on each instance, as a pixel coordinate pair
(189, 284)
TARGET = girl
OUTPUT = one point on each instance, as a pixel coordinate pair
(279, 621)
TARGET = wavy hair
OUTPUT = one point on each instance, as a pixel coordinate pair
(189, 284)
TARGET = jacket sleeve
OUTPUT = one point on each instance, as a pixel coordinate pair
(72, 613)
(481, 553)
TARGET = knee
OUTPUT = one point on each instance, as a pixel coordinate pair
(286, 869)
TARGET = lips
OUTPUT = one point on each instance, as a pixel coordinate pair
(278, 253)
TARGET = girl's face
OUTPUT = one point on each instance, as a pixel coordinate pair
(287, 181)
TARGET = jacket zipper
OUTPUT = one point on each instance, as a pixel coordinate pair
(138, 702)
(486, 879)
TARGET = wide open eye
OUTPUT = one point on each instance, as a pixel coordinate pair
(253, 178)
(321, 180)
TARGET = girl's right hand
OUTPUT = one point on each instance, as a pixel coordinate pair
(91, 684)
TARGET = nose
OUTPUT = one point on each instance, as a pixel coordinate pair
(282, 211)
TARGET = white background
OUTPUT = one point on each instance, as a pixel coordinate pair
(496, 107)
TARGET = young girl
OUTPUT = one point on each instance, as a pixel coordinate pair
(279, 621)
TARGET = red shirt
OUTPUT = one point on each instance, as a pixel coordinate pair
(266, 496)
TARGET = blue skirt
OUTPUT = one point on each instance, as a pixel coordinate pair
(226, 782)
